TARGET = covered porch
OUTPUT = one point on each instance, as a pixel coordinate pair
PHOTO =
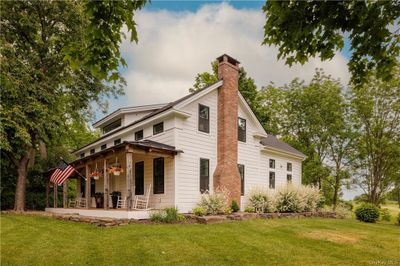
(146, 172)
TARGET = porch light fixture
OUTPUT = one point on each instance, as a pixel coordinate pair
(116, 168)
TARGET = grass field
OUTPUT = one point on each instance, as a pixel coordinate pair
(35, 240)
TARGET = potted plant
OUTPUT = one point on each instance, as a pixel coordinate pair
(95, 174)
(114, 198)
(99, 197)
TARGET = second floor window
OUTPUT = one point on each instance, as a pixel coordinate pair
(158, 128)
(139, 135)
(272, 163)
(112, 126)
(117, 141)
(204, 118)
(272, 180)
(92, 151)
(82, 155)
(103, 147)
(289, 167)
(242, 129)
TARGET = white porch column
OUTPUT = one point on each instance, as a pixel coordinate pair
(65, 194)
(129, 171)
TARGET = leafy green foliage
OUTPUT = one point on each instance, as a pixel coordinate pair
(234, 206)
(102, 36)
(398, 219)
(167, 215)
(367, 212)
(385, 214)
(305, 29)
(199, 211)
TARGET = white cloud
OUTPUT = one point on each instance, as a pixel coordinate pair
(174, 46)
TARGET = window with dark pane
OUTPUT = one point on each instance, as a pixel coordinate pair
(158, 175)
(242, 129)
(139, 178)
(117, 141)
(139, 135)
(158, 128)
(289, 178)
(103, 147)
(272, 163)
(204, 118)
(289, 167)
(241, 172)
(112, 126)
(82, 155)
(92, 151)
(272, 180)
(204, 175)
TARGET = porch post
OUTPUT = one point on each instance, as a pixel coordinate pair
(65, 194)
(78, 187)
(87, 188)
(47, 193)
(55, 200)
(106, 183)
(129, 158)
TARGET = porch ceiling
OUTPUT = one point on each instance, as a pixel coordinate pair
(147, 146)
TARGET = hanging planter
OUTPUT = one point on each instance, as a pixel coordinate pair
(116, 168)
(96, 174)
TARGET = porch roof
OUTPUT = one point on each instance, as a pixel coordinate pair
(145, 145)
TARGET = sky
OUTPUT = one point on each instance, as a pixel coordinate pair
(178, 39)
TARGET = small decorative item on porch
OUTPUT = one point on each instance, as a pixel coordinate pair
(116, 168)
(99, 196)
(96, 174)
(114, 198)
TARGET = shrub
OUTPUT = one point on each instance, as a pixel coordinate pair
(261, 199)
(343, 212)
(199, 211)
(398, 219)
(385, 215)
(367, 212)
(310, 198)
(249, 209)
(347, 204)
(214, 203)
(167, 215)
(235, 206)
(289, 199)
(227, 210)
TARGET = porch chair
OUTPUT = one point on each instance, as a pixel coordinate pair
(142, 201)
(75, 203)
(121, 203)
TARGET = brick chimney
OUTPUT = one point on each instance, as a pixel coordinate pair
(226, 174)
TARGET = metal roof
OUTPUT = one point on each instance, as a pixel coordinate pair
(273, 142)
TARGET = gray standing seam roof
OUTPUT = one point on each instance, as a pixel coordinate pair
(274, 142)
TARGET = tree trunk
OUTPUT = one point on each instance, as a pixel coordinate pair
(336, 192)
(22, 170)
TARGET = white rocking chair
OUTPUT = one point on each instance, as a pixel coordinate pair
(121, 203)
(142, 201)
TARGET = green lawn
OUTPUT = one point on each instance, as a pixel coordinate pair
(29, 240)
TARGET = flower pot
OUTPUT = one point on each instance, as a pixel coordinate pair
(99, 200)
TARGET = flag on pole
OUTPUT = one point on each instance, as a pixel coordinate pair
(61, 174)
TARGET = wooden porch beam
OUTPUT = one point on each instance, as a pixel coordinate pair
(55, 200)
(65, 194)
(87, 188)
(106, 185)
(129, 173)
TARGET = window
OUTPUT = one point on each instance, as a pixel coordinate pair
(241, 172)
(92, 151)
(289, 167)
(103, 147)
(271, 179)
(289, 178)
(272, 163)
(204, 118)
(117, 141)
(92, 187)
(158, 175)
(139, 135)
(139, 178)
(158, 128)
(204, 175)
(112, 126)
(242, 129)
(82, 155)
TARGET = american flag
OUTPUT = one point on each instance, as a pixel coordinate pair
(61, 174)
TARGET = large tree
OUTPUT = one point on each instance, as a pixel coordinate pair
(247, 88)
(376, 113)
(306, 29)
(41, 94)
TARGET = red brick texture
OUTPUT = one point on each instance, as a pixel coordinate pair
(226, 174)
